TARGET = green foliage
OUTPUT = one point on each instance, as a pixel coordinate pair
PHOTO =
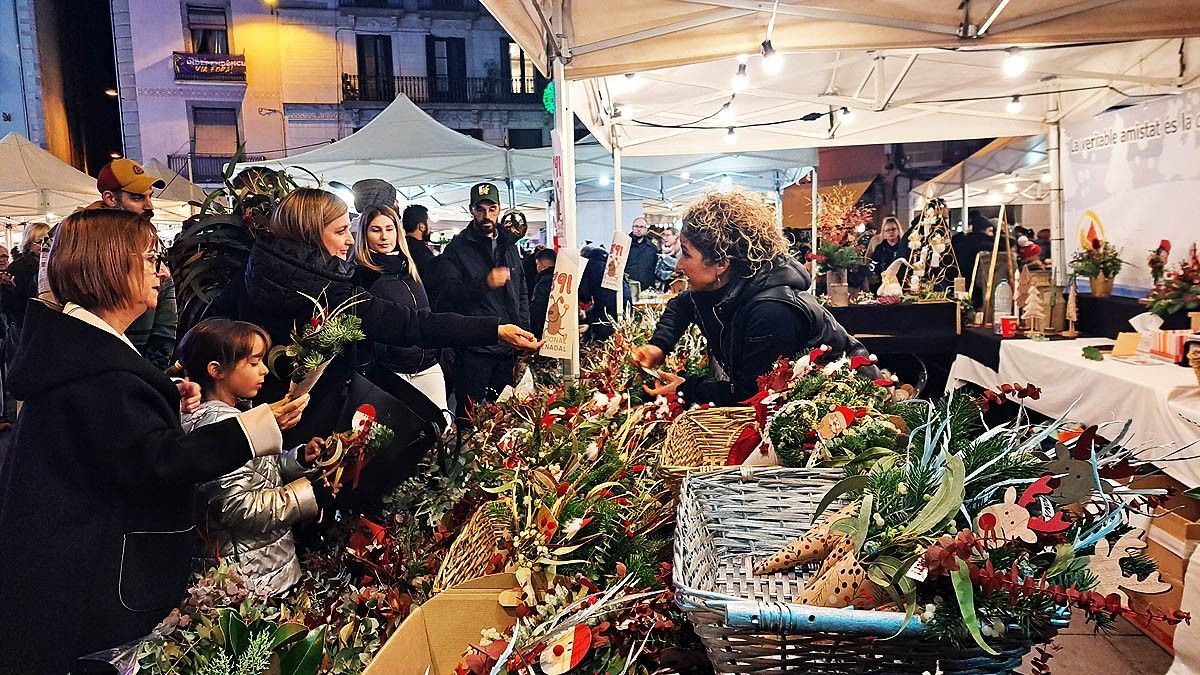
(1104, 259)
(832, 257)
(1092, 354)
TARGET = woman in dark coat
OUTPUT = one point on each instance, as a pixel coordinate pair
(307, 251)
(96, 490)
(746, 295)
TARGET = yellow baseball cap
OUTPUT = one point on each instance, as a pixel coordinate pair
(127, 175)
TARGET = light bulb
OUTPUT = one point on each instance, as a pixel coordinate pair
(1015, 63)
(992, 197)
(847, 115)
(743, 58)
(1014, 106)
(685, 175)
(772, 60)
(726, 115)
(1046, 178)
(1010, 187)
(741, 80)
(726, 182)
(603, 180)
(111, 93)
(731, 136)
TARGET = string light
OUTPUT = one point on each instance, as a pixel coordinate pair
(1015, 63)
(847, 116)
(741, 79)
(772, 60)
(685, 175)
(730, 136)
(1010, 187)
(603, 180)
(726, 115)
(1046, 178)
(1015, 106)
(726, 183)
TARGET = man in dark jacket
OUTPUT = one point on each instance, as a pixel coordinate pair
(416, 228)
(643, 255)
(479, 274)
(603, 310)
(539, 297)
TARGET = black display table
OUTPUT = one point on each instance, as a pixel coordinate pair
(915, 328)
(1105, 317)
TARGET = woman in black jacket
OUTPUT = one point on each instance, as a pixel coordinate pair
(96, 490)
(747, 296)
(386, 268)
(307, 252)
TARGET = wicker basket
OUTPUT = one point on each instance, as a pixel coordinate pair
(698, 441)
(747, 623)
(471, 552)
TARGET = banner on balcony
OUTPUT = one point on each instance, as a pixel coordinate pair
(562, 313)
(209, 66)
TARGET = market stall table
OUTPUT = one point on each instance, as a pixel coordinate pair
(1105, 317)
(1162, 400)
(914, 328)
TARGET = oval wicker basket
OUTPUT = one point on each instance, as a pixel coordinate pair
(471, 552)
(698, 441)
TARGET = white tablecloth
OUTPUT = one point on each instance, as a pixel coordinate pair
(1162, 400)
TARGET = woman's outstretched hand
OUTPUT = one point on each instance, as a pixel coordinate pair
(649, 356)
(518, 337)
(287, 411)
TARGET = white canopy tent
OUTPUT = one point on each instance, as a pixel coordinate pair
(36, 185)
(404, 146)
(1013, 170)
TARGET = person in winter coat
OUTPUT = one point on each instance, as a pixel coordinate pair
(746, 295)
(24, 271)
(416, 238)
(480, 274)
(387, 268)
(96, 490)
(889, 248)
(307, 252)
(539, 298)
(603, 311)
(643, 255)
(246, 516)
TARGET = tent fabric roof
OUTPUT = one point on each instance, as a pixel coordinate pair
(621, 36)
(179, 189)
(34, 182)
(896, 97)
(404, 146)
(1017, 162)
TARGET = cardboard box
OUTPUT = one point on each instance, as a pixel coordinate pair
(432, 640)
(1169, 344)
(1161, 632)
(1172, 555)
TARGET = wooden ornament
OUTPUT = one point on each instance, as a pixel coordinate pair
(566, 650)
(816, 544)
(1106, 565)
(1001, 523)
(840, 582)
(831, 425)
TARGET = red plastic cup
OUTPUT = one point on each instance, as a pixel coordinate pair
(1008, 326)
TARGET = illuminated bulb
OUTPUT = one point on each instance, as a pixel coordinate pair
(1046, 178)
(1010, 187)
(110, 92)
(685, 175)
(740, 79)
(115, 155)
(730, 138)
(993, 198)
(743, 58)
(847, 116)
(603, 180)
(1015, 63)
(726, 115)
(772, 60)
(860, 228)
(51, 216)
(726, 182)
(1014, 106)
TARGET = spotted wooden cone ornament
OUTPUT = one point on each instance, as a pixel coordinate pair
(841, 582)
(816, 544)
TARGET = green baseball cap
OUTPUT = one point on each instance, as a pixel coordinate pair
(484, 192)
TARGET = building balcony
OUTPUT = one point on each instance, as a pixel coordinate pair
(204, 168)
(209, 67)
(423, 89)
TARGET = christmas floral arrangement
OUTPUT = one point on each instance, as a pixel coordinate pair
(608, 368)
(574, 626)
(987, 536)
(1101, 259)
(320, 341)
(832, 257)
(1178, 290)
(347, 453)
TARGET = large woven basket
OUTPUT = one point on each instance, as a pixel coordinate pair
(698, 441)
(750, 624)
(471, 552)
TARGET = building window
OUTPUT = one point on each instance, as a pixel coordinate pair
(446, 63)
(520, 139)
(375, 81)
(477, 134)
(215, 130)
(208, 29)
(522, 75)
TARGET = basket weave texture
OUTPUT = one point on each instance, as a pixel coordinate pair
(729, 518)
(471, 552)
(698, 441)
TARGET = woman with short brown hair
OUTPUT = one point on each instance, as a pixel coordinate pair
(96, 489)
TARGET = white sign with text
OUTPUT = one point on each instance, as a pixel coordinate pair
(562, 313)
(618, 255)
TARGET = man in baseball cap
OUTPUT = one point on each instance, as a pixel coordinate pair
(125, 185)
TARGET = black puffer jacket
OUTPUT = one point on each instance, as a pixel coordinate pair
(396, 284)
(460, 279)
(642, 261)
(279, 269)
(749, 324)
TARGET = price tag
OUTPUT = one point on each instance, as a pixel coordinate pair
(918, 572)
(562, 314)
(618, 255)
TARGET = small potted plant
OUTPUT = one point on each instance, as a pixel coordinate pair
(835, 262)
(1100, 264)
(1178, 290)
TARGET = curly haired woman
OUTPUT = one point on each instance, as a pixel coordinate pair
(747, 296)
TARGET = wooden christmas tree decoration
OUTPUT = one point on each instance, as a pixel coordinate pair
(1072, 312)
(1035, 311)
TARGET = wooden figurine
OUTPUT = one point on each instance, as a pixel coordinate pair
(1072, 312)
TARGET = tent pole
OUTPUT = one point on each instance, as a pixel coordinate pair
(617, 219)
(962, 180)
(815, 203)
(564, 125)
(1057, 239)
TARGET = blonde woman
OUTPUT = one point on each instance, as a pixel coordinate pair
(747, 296)
(23, 271)
(307, 251)
(387, 269)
